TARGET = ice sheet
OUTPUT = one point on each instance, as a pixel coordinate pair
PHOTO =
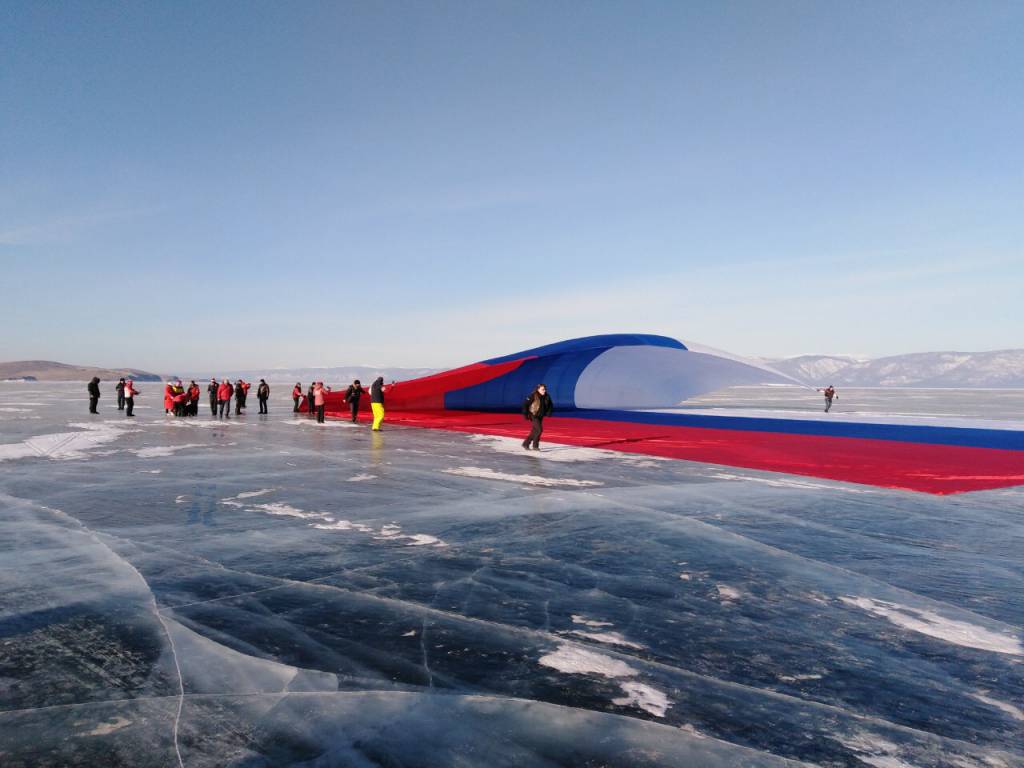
(259, 593)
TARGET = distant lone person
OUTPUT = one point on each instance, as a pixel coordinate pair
(94, 394)
(830, 395)
(129, 396)
(120, 394)
(535, 407)
(377, 402)
(352, 395)
(297, 396)
(263, 394)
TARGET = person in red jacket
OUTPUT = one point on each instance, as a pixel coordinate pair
(319, 390)
(193, 399)
(168, 397)
(224, 392)
(297, 396)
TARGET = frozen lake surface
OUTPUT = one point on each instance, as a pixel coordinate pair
(264, 591)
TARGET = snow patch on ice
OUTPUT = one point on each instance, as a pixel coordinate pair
(546, 482)
(287, 510)
(609, 638)
(789, 483)
(932, 624)
(103, 729)
(64, 446)
(163, 450)
(643, 697)
(360, 478)
(1010, 709)
(727, 593)
(574, 659)
(579, 619)
(570, 453)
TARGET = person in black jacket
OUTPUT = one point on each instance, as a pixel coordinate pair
(263, 394)
(120, 394)
(535, 407)
(309, 401)
(94, 394)
(352, 395)
(211, 390)
(377, 402)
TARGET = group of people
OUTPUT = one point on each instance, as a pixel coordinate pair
(221, 393)
(314, 400)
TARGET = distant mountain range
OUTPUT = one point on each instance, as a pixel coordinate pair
(333, 377)
(1002, 368)
(47, 370)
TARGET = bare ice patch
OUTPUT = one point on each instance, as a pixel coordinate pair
(547, 482)
(576, 660)
(932, 624)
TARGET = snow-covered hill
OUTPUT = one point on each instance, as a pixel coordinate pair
(1002, 368)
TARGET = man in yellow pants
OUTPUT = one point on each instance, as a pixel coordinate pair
(377, 402)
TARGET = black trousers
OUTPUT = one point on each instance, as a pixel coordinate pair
(535, 432)
(354, 405)
(213, 406)
(93, 402)
(263, 404)
(296, 409)
(120, 401)
(320, 413)
(130, 403)
(309, 402)
(225, 405)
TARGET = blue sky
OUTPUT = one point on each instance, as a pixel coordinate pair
(196, 185)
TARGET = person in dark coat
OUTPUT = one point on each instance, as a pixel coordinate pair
(263, 394)
(241, 392)
(120, 394)
(211, 390)
(94, 394)
(309, 401)
(535, 408)
(352, 395)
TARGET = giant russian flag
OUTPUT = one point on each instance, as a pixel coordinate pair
(617, 391)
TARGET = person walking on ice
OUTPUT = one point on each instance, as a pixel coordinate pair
(297, 396)
(94, 394)
(211, 389)
(120, 394)
(830, 395)
(377, 402)
(352, 395)
(536, 406)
